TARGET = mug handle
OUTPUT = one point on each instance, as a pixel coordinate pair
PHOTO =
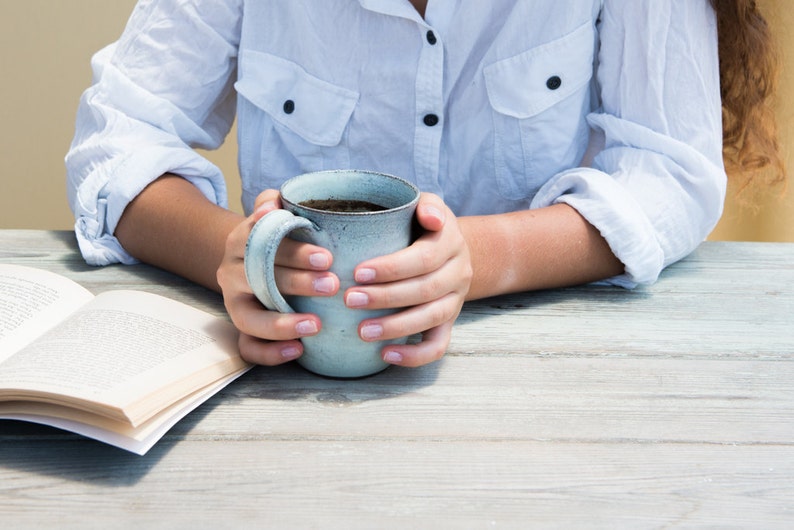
(260, 255)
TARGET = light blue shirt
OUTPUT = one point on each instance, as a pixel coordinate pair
(610, 106)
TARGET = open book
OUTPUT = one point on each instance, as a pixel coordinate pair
(121, 367)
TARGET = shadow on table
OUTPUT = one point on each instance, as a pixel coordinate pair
(551, 301)
(290, 382)
(38, 449)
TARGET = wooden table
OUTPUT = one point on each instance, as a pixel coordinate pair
(665, 406)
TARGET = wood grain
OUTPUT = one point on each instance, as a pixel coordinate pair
(665, 406)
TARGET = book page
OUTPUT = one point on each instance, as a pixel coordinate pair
(121, 434)
(121, 348)
(32, 301)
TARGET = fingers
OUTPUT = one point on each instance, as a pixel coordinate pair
(450, 275)
(267, 353)
(432, 348)
(441, 242)
(431, 278)
(296, 255)
(268, 337)
(434, 266)
(414, 320)
(290, 253)
(301, 269)
(249, 317)
(411, 292)
(421, 257)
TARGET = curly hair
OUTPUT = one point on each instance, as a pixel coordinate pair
(749, 68)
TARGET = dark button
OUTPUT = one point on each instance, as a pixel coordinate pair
(431, 37)
(430, 120)
(289, 106)
(554, 82)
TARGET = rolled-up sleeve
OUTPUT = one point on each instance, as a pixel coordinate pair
(165, 88)
(656, 188)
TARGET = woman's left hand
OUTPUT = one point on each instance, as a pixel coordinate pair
(430, 278)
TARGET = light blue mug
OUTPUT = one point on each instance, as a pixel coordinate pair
(383, 227)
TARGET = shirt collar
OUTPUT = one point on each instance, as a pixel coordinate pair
(397, 8)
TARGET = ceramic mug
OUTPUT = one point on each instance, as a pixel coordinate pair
(376, 219)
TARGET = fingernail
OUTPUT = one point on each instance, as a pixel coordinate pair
(371, 331)
(319, 260)
(356, 299)
(365, 275)
(306, 327)
(323, 285)
(435, 212)
(290, 352)
(393, 357)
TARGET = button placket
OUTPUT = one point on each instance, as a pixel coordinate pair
(429, 110)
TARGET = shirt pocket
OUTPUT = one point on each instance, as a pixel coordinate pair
(539, 100)
(293, 121)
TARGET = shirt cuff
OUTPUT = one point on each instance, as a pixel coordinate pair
(610, 208)
(101, 210)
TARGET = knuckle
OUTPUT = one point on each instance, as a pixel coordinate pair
(440, 312)
(251, 350)
(381, 298)
(221, 277)
(436, 349)
(430, 289)
(244, 321)
(287, 281)
(438, 315)
(389, 270)
(400, 328)
(437, 353)
(468, 272)
(427, 257)
(281, 327)
(257, 351)
(260, 323)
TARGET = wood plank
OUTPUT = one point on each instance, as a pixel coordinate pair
(525, 399)
(530, 399)
(725, 301)
(667, 405)
(398, 484)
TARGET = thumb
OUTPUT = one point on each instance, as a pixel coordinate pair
(431, 212)
(266, 201)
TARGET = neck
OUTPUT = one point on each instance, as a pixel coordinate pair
(420, 6)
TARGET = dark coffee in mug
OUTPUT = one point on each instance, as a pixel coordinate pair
(342, 205)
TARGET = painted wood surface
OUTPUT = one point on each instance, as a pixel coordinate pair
(665, 406)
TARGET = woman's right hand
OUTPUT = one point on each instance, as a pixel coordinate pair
(268, 337)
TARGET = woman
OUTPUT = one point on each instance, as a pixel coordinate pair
(556, 143)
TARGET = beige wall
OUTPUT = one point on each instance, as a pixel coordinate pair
(45, 47)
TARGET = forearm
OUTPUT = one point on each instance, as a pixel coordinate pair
(535, 249)
(173, 226)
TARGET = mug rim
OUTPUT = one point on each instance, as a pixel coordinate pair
(292, 181)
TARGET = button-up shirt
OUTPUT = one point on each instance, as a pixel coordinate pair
(610, 106)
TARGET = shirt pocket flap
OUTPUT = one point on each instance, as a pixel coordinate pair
(529, 83)
(310, 107)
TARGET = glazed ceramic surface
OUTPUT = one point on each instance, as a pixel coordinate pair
(352, 237)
